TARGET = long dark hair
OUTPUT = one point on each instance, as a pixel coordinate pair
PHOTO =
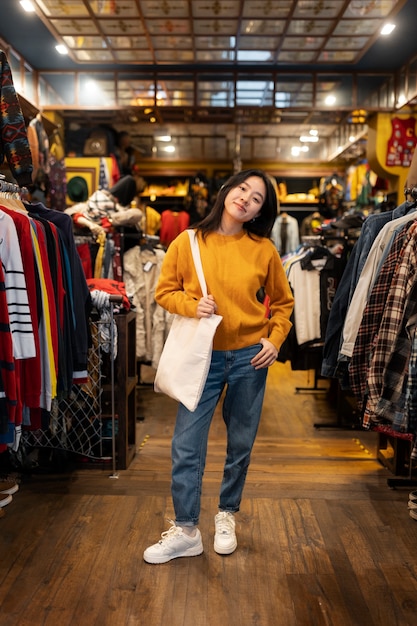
(262, 225)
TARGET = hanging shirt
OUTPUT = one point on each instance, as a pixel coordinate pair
(14, 144)
(285, 234)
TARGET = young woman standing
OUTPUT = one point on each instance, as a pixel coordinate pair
(238, 259)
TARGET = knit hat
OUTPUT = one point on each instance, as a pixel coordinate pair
(77, 189)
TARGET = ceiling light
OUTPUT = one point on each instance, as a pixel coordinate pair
(27, 6)
(330, 100)
(162, 137)
(169, 149)
(314, 132)
(61, 49)
(309, 138)
(387, 29)
(295, 151)
(401, 100)
(305, 148)
(352, 139)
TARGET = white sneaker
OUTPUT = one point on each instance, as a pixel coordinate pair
(225, 541)
(8, 485)
(173, 544)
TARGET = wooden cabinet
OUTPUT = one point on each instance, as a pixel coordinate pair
(125, 380)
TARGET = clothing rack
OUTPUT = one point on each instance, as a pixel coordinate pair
(402, 445)
(339, 422)
(138, 237)
(11, 189)
(315, 387)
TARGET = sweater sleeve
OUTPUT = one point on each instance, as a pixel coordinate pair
(281, 302)
(14, 143)
(178, 270)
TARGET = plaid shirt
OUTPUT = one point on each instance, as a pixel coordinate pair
(391, 406)
(400, 302)
(372, 315)
(410, 412)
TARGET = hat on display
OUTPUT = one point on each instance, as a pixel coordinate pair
(411, 182)
(77, 189)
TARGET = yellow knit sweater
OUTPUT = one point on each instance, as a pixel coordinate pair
(235, 267)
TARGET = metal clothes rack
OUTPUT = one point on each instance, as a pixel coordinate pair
(12, 189)
(76, 422)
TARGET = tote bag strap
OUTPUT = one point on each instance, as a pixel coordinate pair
(195, 249)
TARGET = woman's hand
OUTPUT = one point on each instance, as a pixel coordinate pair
(265, 357)
(206, 307)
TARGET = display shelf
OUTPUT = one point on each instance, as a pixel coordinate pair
(394, 452)
(162, 203)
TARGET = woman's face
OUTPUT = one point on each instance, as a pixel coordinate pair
(244, 202)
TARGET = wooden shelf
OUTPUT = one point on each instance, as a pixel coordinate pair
(394, 453)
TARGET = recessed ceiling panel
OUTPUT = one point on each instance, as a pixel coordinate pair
(267, 9)
(224, 9)
(63, 8)
(283, 31)
(157, 9)
(219, 35)
(263, 27)
(317, 9)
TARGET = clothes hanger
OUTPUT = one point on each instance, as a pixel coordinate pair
(145, 244)
(412, 192)
(10, 195)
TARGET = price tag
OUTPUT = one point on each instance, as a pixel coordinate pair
(148, 266)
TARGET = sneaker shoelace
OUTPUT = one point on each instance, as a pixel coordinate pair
(224, 523)
(171, 533)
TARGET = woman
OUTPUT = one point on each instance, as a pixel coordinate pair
(238, 259)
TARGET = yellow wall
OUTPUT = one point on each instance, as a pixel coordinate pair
(88, 168)
(380, 130)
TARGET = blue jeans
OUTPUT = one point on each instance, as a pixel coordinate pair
(242, 407)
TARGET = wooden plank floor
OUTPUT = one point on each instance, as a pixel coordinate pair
(323, 541)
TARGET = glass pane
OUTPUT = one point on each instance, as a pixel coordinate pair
(98, 90)
(335, 90)
(296, 92)
(57, 89)
(29, 86)
(14, 62)
(131, 91)
(215, 93)
(254, 92)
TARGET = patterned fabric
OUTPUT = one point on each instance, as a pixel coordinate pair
(100, 204)
(117, 258)
(20, 318)
(359, 364)
(8, 390)
(411, 391)
(393, 314)
(57, 179)
(14, 144)
(391, 403)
